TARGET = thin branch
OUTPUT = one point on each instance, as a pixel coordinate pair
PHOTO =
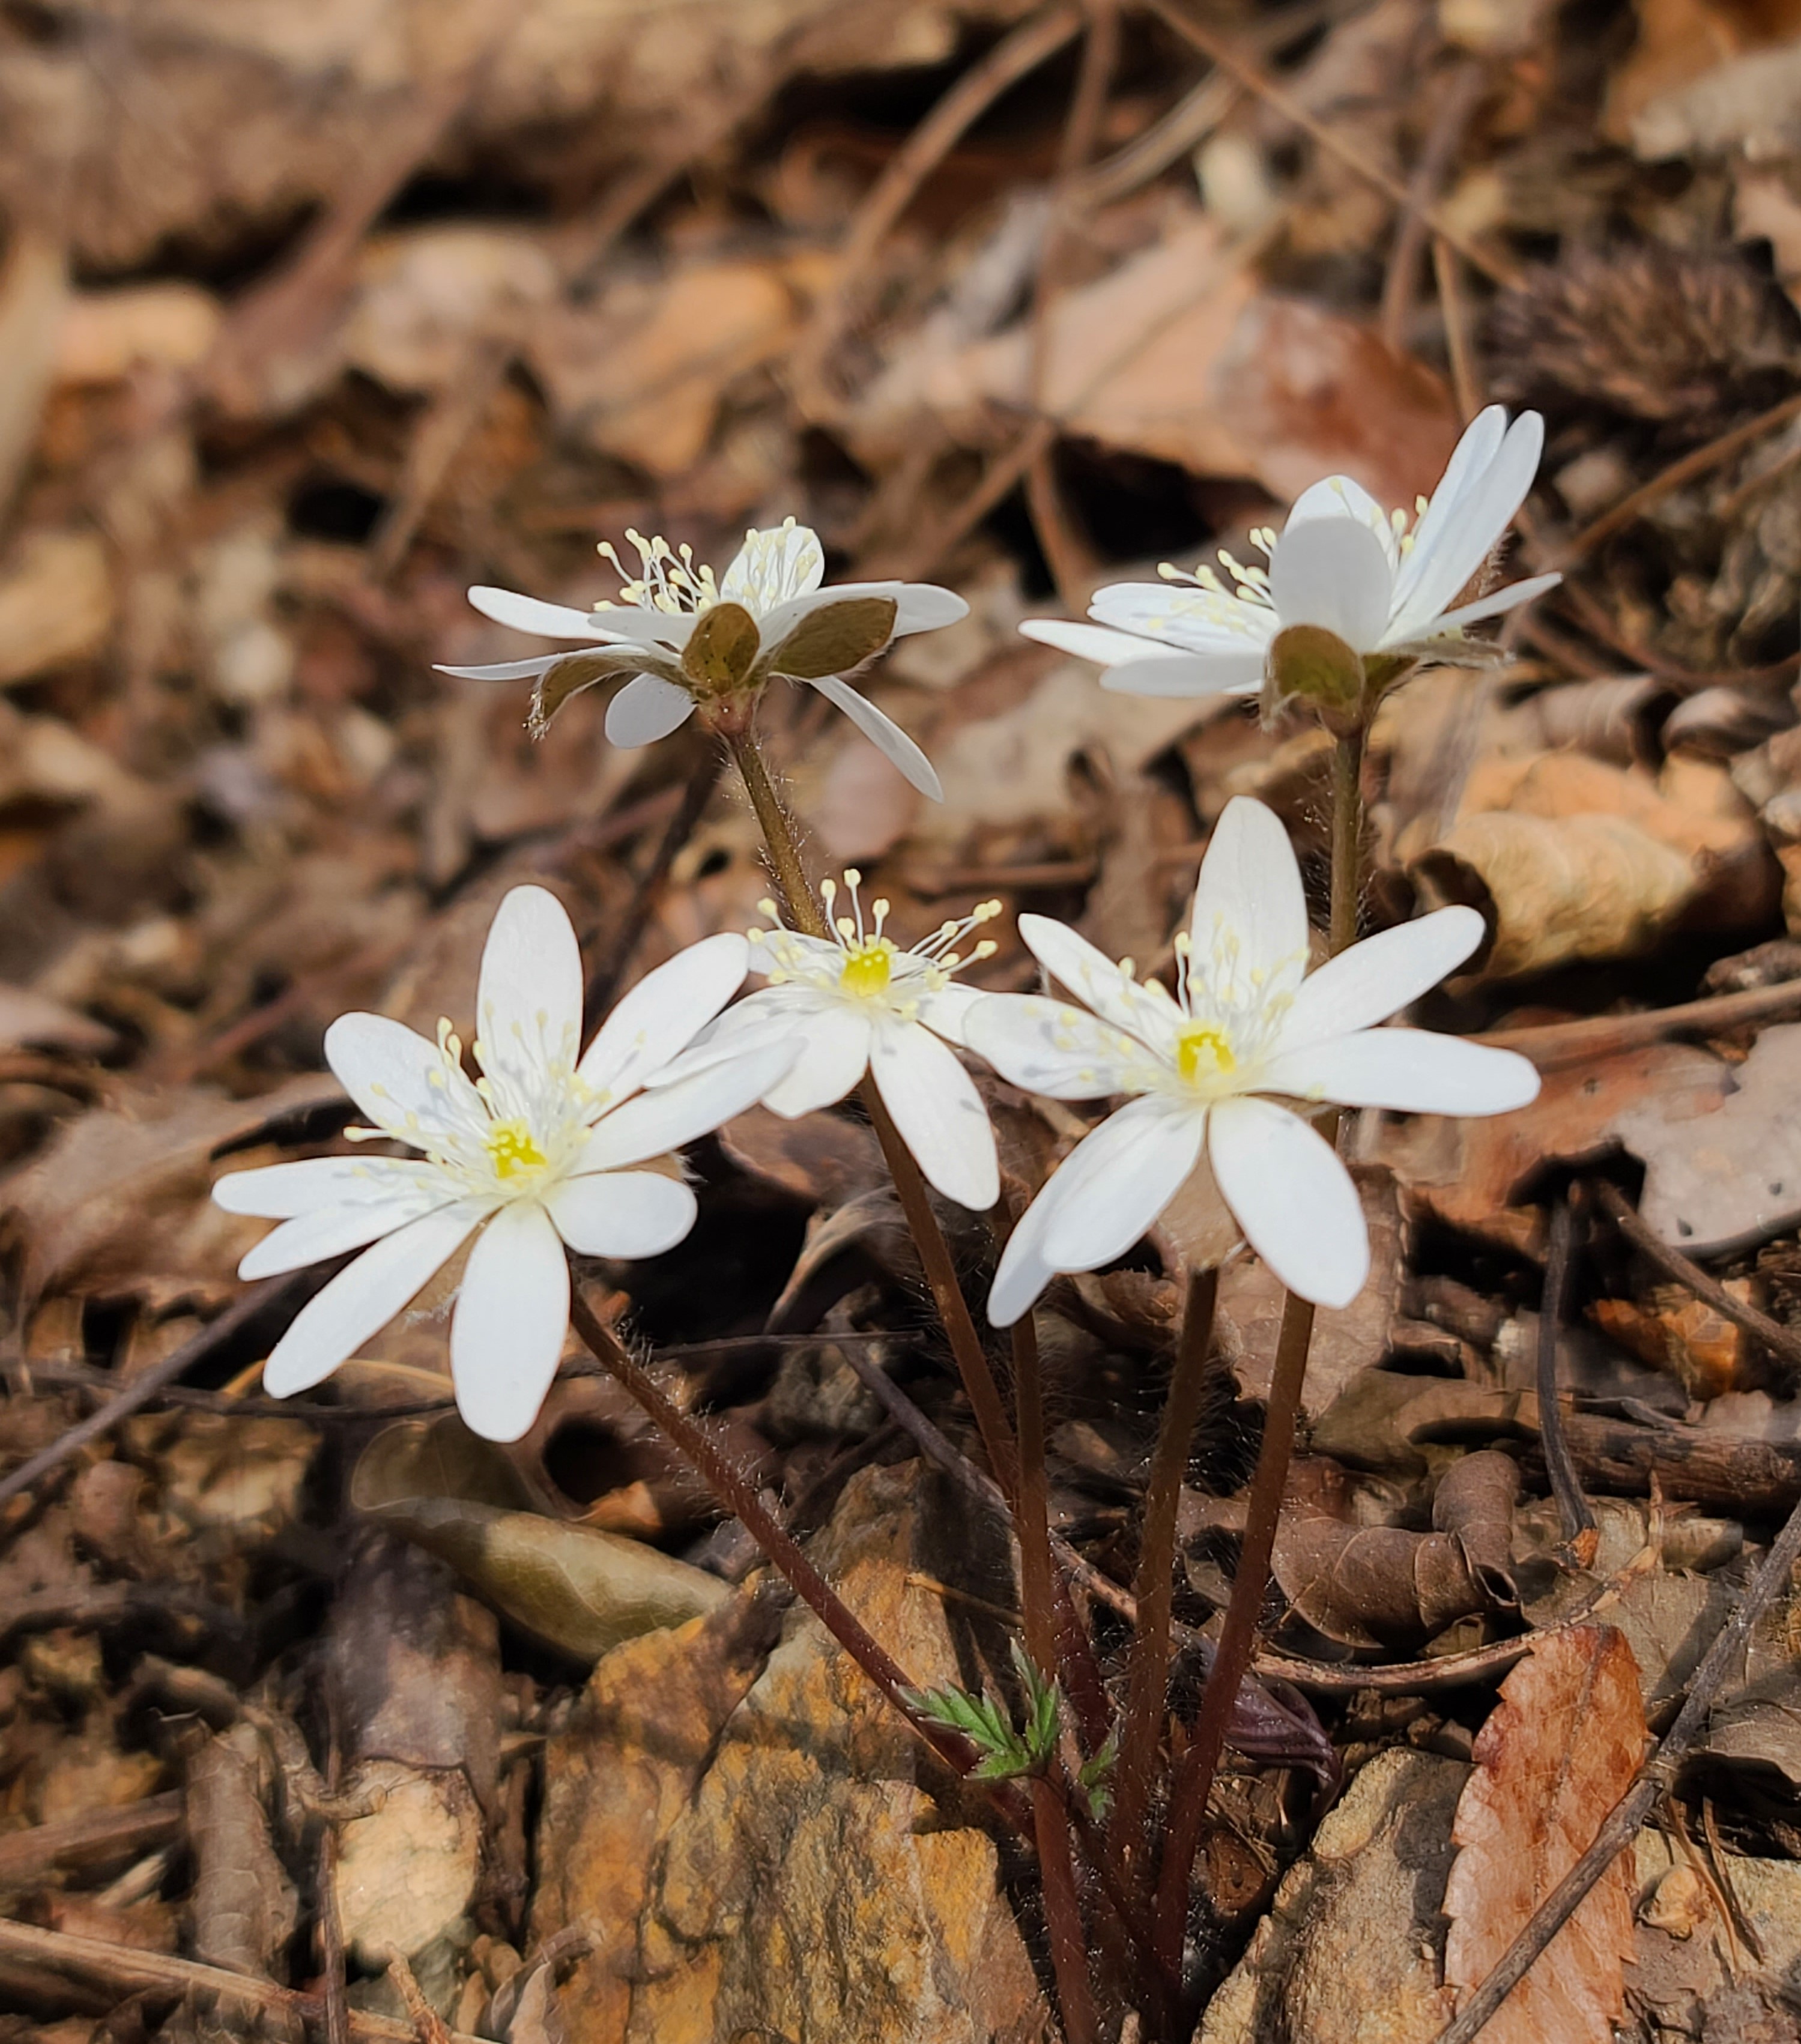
(1230, 59)
(1574, 1516)
(148, 1383)
(1035, 39)
(1778, 1339)
(1457, 102)
(1691, 465)
(1623, 1823)
(1552, 1045)
(128, 1970)
(604, 986)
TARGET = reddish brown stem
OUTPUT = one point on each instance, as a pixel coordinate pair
(1038, 1598)
(1194, 1776)
(735, 1492)
(979, 1386)
(1141, 1739)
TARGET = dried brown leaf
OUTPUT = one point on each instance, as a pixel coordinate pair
(1558, 1751)
(1713, 1177)
(244, 1906)
(578, 1588)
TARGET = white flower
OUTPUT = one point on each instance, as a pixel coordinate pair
(1244, 1030)
(534, 1154)
(859, 1003)
(1342, 562)
(685, 638)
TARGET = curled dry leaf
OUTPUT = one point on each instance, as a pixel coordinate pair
(577, 1587)
(1558, 1751)
(1371, 1586)
(1570, 858)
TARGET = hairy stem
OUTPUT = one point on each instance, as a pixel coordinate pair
(1038, 1603)
(1193, 1783)
(777, 828)
(1347, 838)
(805, 914)
(1194, 1776)
(1141, 1739)
(738, 1496)
(979, 1386)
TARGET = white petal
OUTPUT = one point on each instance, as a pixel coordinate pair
(528, 1003)
(1493, 605)
(1022, 1273)
(505, 670)
(512, 1315)
(310, 1238)
(1149, 1148)
(1093, 642)
(947, 1011)
(1024, 1270)
(360, 1301)
(923, 606)
(1176, 614)
(1408, 1071)
(399, 1081)
(1378, 977)
(1339, 496)
(1049, 1048)
(1250, 919)
(937, 1111)
(1096, 980)
(1333, 572)
(662, 1014)
(621, 1213)
(548, 621)
(278, 1192)
(1412, 1070)
(832, 1054)
(667, 1116)
(883, 733)
(1470, 461)
(1292, 1198)
(1456, 549)
(646, 709)
(772, 565)
(1188, 674)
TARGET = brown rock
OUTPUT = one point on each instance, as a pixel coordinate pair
(755, 1852)
(1350, 1952)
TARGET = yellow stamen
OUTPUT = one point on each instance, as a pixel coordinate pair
(513, 1149)
(867, 969)
(1202, 1052)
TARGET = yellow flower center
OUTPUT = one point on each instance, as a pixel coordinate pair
(1202, 1052)
(513, 1149)
(867, 968)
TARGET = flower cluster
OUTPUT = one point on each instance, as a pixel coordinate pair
(542, 1149)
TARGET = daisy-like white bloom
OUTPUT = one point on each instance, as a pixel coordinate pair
(1247, 1029)
(1341, 564)
(685, 638)
(858, 1002)
(535, 1154)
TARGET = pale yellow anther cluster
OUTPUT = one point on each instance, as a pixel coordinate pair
(669, 578)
